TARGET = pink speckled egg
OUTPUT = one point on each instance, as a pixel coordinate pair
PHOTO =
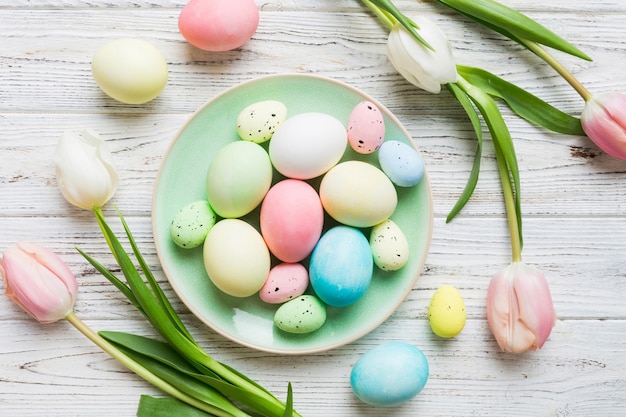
(291, 219)
(366, 128)
(218, 25)
(285, 281)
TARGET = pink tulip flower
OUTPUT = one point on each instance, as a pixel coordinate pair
(604, 121)
(519, 308)
(38, 281)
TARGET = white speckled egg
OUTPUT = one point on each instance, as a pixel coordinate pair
(131, 71)
(304, 314)
(446, 312)
(389, 374)
(284, 282)
(238, 178)
(236, 258)
(358, 194)
(191, 224)
(401, 162)
(366, 128)
(389, 245)
(258, 122)
(307, 145)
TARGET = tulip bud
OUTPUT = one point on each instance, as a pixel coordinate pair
(84, 169)
(37, 280)
(421, 66)
(519, 308)
(604, 121)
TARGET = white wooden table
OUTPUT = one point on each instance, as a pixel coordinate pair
(574, 204)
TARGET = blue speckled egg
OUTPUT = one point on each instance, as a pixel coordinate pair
(389, 374)
(401, 162)
(341, 266)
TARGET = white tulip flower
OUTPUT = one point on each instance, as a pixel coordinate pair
(84, 169)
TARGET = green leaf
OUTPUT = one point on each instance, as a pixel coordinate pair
(164, 362)
(507, 21)
(466, 103)
(501, 137)
(523, 103)
(160, 296)
(166, 407)
(289, 403)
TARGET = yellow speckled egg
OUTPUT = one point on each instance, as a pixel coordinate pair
(131, 71)
(446, 312)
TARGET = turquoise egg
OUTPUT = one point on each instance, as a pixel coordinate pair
(341, 266)
(401, 162)
(389, 374)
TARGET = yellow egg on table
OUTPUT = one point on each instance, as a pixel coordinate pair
(446, 312)
(131, 71)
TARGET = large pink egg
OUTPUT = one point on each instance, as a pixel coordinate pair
(291, 220)
(218, 25)
(366, 128)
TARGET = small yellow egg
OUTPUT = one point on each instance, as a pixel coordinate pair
(131, 71)
(446, 312)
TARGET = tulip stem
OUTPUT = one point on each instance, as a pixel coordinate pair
(509, 202)
(384, 16)
(140, 370)
(558, 67)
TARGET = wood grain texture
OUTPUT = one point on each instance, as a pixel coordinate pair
(574, 204)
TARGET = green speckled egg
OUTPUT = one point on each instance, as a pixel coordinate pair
(389, 245)
(304, 314)
(191, 224)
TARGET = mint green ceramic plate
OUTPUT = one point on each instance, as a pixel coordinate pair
(181, 180)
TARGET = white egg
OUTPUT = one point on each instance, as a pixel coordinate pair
(307, 145)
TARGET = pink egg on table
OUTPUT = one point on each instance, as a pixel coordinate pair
(284, 282)
(366, 128)
(218, 25)
(291, 219)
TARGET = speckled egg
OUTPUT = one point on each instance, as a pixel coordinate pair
(238, 178)
(291, 219)
(258, 122)
(358, 194)
(446, 312)
(401, 162)
(236, 258)
(284, 282)
(389, 374)
(191, 224)
(341, 266)
(304, 314)
(307, 145)
(366, 128)
(389, 245)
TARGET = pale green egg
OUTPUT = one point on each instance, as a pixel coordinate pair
(191, 224)
(238, 178)
(304, 314)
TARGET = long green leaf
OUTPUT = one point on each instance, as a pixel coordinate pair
(160, 296)
(161, 365)
(466, 103)
(500, 133)
(523, 103)
(506, 20)
(166, 407)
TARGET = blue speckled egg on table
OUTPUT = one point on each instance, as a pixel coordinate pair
(389, 374)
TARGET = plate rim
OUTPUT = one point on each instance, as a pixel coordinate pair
(228, 336)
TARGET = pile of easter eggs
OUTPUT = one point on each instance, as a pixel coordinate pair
(315, 208)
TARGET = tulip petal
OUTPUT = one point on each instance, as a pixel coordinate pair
(604, 121)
